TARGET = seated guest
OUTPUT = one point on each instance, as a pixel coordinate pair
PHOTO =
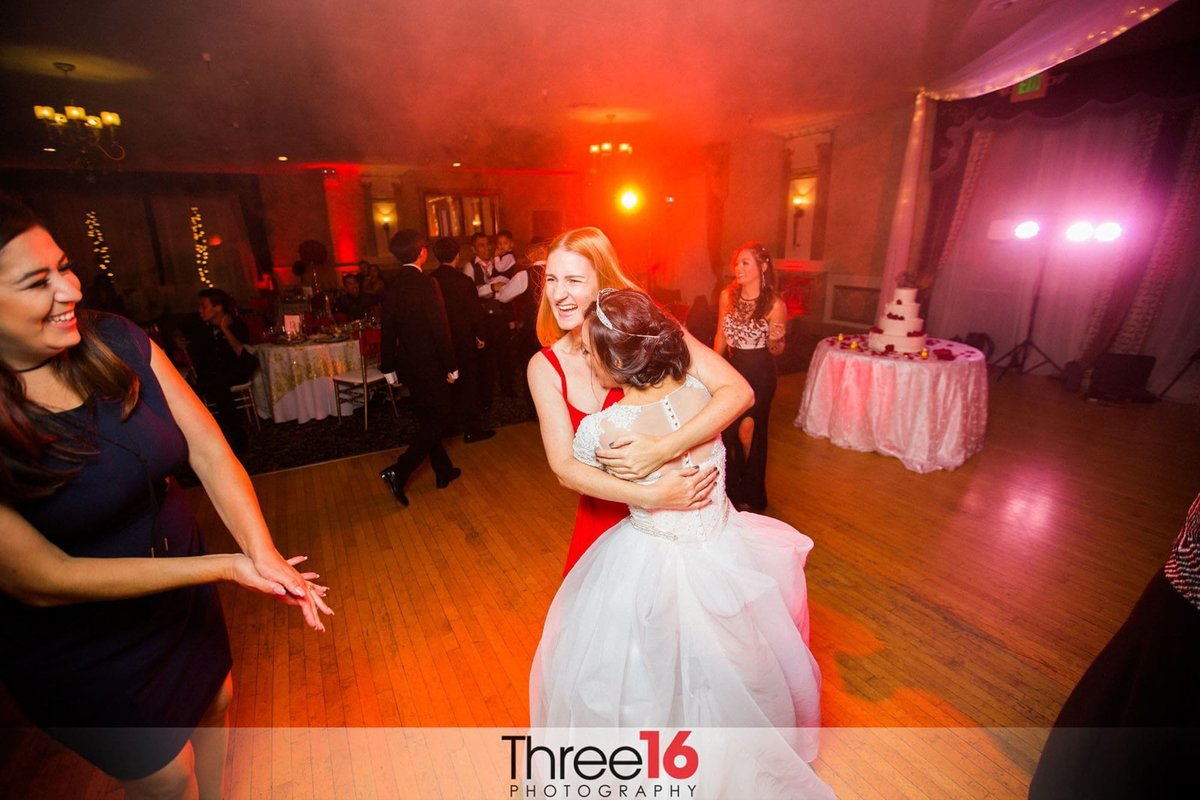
(352, 303)
(372, 282)
(221, 360)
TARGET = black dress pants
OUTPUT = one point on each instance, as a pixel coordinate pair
(465, 390)
(431, 405)
(495, 369)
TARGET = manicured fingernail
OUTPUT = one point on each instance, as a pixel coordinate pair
(279, 589)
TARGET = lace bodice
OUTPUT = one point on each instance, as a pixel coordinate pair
(657, 419)
(742, 330)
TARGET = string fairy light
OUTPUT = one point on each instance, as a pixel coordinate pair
(201, 240)
(99, 249)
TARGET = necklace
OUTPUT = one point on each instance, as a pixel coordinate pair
(38, 365)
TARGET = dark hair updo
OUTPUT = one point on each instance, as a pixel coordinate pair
(641, 345)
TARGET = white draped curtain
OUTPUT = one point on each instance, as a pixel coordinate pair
(1065, 29)
(1055, 171)
(1089, 164)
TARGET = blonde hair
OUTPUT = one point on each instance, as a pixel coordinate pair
(593, 245)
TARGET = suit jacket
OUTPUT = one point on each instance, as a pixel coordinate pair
(463, 311)
(416, 337)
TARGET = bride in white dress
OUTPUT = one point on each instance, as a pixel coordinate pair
(682, 619)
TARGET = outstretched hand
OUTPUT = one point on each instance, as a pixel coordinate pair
(273, 575)
(686, 489)
(632, 456)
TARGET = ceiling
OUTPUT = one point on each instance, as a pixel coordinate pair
(523, 84)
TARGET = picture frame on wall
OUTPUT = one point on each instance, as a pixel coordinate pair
(851, 300)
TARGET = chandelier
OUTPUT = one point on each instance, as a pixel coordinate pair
(78, 132)
(608, 148)
(604, 149)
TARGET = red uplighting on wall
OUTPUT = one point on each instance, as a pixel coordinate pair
(343, 200)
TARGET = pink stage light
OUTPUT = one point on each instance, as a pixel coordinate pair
(1080, 231)
(1108, 232)
(1027, 229)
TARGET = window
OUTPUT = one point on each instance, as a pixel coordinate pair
(461, 214)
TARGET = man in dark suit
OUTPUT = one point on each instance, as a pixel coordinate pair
(466, 319)
(416, 350)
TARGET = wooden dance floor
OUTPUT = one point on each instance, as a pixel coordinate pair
(951, 612)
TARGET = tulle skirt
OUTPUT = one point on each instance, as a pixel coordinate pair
(650, 632)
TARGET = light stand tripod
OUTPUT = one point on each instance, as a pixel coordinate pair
(1020, 352)
(1195, 359)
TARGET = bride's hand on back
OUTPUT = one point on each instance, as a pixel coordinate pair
(632, 456)
(685, 489)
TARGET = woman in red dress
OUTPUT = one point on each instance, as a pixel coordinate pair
(581, 263)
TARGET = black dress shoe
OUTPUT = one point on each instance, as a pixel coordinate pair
(478, 436)
(444, 480)
(395, 484)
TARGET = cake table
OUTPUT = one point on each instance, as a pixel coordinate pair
(931, 413)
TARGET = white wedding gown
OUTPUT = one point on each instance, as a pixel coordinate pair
(688, 619)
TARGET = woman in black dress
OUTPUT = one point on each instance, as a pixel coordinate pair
(751, 323)
(114, 639)
(1131, 726)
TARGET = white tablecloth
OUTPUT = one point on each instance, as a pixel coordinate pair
(294, 382)
(929, 413)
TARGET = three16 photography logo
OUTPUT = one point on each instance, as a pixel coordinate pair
(605, 763)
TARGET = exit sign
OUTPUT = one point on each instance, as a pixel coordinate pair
(1031, 88)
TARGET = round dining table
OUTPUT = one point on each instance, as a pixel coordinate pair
(930, 412)
(295, 380)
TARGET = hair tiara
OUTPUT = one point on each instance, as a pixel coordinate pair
(608, 324)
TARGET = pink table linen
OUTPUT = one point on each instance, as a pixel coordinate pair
(929, 413)
(294, 382)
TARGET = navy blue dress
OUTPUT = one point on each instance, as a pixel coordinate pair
(121, 682)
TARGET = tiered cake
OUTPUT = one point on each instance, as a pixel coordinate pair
(900, 328)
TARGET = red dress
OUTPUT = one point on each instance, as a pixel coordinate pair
(594, 516)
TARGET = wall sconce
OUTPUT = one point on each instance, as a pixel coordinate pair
(385, 217)
(799, 205)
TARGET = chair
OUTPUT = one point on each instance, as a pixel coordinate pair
(354, 386)
(243, 398)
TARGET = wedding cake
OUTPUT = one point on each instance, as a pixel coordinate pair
(899, 328)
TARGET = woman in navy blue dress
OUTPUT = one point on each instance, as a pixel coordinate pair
(114, 641)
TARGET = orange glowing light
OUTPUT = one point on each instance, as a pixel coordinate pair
(629, 200)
